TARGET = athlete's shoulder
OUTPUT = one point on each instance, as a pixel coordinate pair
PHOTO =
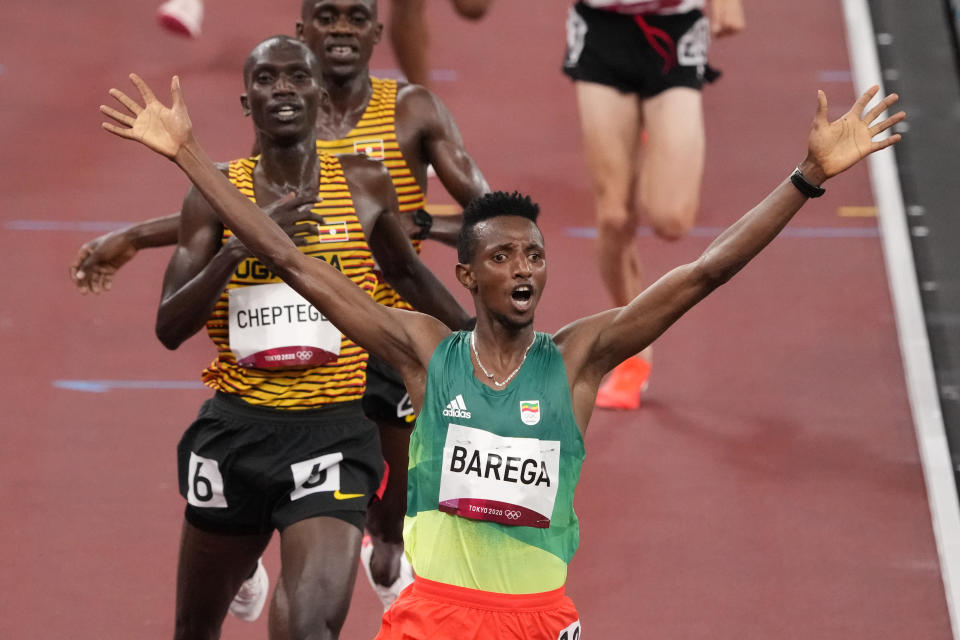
(416, 100)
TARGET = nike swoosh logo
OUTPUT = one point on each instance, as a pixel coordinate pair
(346, 496)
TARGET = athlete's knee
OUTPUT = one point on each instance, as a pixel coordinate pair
(674, 222)
(616, 224)
(316, 611)
(472, 9)
(313, 624)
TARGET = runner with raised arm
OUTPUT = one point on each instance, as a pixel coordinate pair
(497, 449)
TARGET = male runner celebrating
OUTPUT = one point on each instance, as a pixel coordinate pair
(409, 129)
(497, 449)
(284, 443)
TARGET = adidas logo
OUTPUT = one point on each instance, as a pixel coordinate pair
(456, 408)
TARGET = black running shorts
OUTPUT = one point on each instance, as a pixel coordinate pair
(386, 399)
(247, 469)
(643, 55)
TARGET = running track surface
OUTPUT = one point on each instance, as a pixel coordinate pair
(769, 488)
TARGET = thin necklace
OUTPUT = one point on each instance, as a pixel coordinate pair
(473, 345)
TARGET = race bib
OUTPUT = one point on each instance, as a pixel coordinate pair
(274, 327)
(634, 6)
(507, 480)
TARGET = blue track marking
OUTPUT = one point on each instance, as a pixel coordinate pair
(836, 75)
(712, 232)
(64, 225)
(102, 386)
(437, 75)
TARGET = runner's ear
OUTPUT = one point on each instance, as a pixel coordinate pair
(244, 104)
(465, 277)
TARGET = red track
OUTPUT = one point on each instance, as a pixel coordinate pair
(770, 487)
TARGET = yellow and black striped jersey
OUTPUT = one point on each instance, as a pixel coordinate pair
(340, 380)
(376, 136)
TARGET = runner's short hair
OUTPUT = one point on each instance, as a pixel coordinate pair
(279, 41)
(491, 205)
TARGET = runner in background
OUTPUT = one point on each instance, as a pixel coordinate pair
(638, 67)
(410, 33)
(408, 29)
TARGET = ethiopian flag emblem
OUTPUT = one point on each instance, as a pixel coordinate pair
(530, 411)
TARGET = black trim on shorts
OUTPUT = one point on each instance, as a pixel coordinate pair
(385, 397)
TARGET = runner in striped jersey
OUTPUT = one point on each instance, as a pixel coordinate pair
(409, 129)
(284, 443)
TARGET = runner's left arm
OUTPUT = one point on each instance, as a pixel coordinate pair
(442, 147)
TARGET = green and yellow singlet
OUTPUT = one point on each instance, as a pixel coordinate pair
(492, 474)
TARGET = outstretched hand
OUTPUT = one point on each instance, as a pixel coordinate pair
(165, 130)
(834, 147)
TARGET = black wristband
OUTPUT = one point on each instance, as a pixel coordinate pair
(805, 187)
(423, 220)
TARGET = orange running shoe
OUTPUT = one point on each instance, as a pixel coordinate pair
(627, 381)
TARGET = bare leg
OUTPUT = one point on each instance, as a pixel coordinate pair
(611, 125)
(410, 39)
(385, 517)
(672, 168)
(279, 619)
(319, 559)
(410, 36)
(472, 9)
(211, 569)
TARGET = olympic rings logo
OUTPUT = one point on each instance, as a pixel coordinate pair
(511, 514)
(304, 354)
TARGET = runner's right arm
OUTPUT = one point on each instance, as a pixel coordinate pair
(201, 267)
(197, 273)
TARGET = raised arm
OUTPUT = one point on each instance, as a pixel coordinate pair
(98, 260)
(597, 344)
(405, 340)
